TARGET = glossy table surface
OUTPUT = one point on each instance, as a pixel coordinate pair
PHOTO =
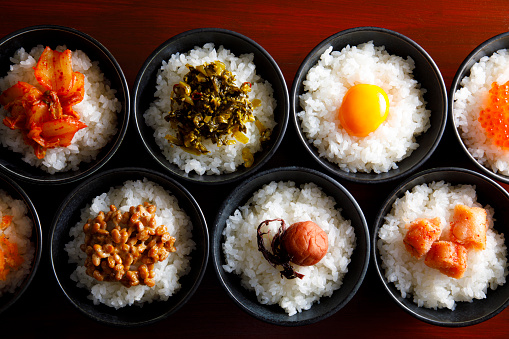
(288, 30)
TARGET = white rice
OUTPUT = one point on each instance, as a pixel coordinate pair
(325, 86)
(470, 99)
(224, 159)
(168, 272)
(98, 111)
(427, 286)
(19, 232)
(291, 203)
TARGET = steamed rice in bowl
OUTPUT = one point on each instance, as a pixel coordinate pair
(470, 99)
(17, 232)
(98, 111)
(326, 84)
(167, 272)
(220, 159)
(286, 200)
(425, 286)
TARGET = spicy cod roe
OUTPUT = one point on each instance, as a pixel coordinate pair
(467, 231)
(495, 117)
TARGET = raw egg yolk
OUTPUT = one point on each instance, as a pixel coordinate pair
(363, 109)
(495, 117)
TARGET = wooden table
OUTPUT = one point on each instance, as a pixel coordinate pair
(288, 30)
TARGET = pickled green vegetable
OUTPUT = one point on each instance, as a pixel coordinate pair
(207, 104)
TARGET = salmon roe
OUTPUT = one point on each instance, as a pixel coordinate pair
(495, 117)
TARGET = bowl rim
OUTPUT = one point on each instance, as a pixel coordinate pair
(332, 167)
(141, 171)
(36, 235)
(217, 252)
(475, 55)
(125, 108)
(382, 212)
(138, 116)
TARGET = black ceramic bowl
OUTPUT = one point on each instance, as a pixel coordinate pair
(426, 73)
(487, 48)
(48, 35)
(274, 314)
(266, 67)
(16, 192)
(488, 192)
(68, 215)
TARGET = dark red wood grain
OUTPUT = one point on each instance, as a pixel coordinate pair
(288, 30)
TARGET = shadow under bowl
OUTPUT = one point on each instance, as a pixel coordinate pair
(69, 214)
(16, 192)
(488, 193)
(53, 36)
(357, 268)
(266, 67)
(425, 72)
(487, 48)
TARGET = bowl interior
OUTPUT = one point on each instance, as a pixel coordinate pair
(487, 48)
(488, 192)
(356, 269)
(425, 72)
(12, 189)
(266, 67)
(54, 36)
(69, 214)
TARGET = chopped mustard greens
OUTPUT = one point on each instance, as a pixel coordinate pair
(264, 131)
(206, 104)
(248, 157)
(241, 137)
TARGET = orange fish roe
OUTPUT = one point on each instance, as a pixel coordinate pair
(495, 117)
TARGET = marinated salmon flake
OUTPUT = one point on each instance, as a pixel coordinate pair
(6, 222)
(495, 117)
(10, 259)
(469, 226)
(447, 257)
(421, 235)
